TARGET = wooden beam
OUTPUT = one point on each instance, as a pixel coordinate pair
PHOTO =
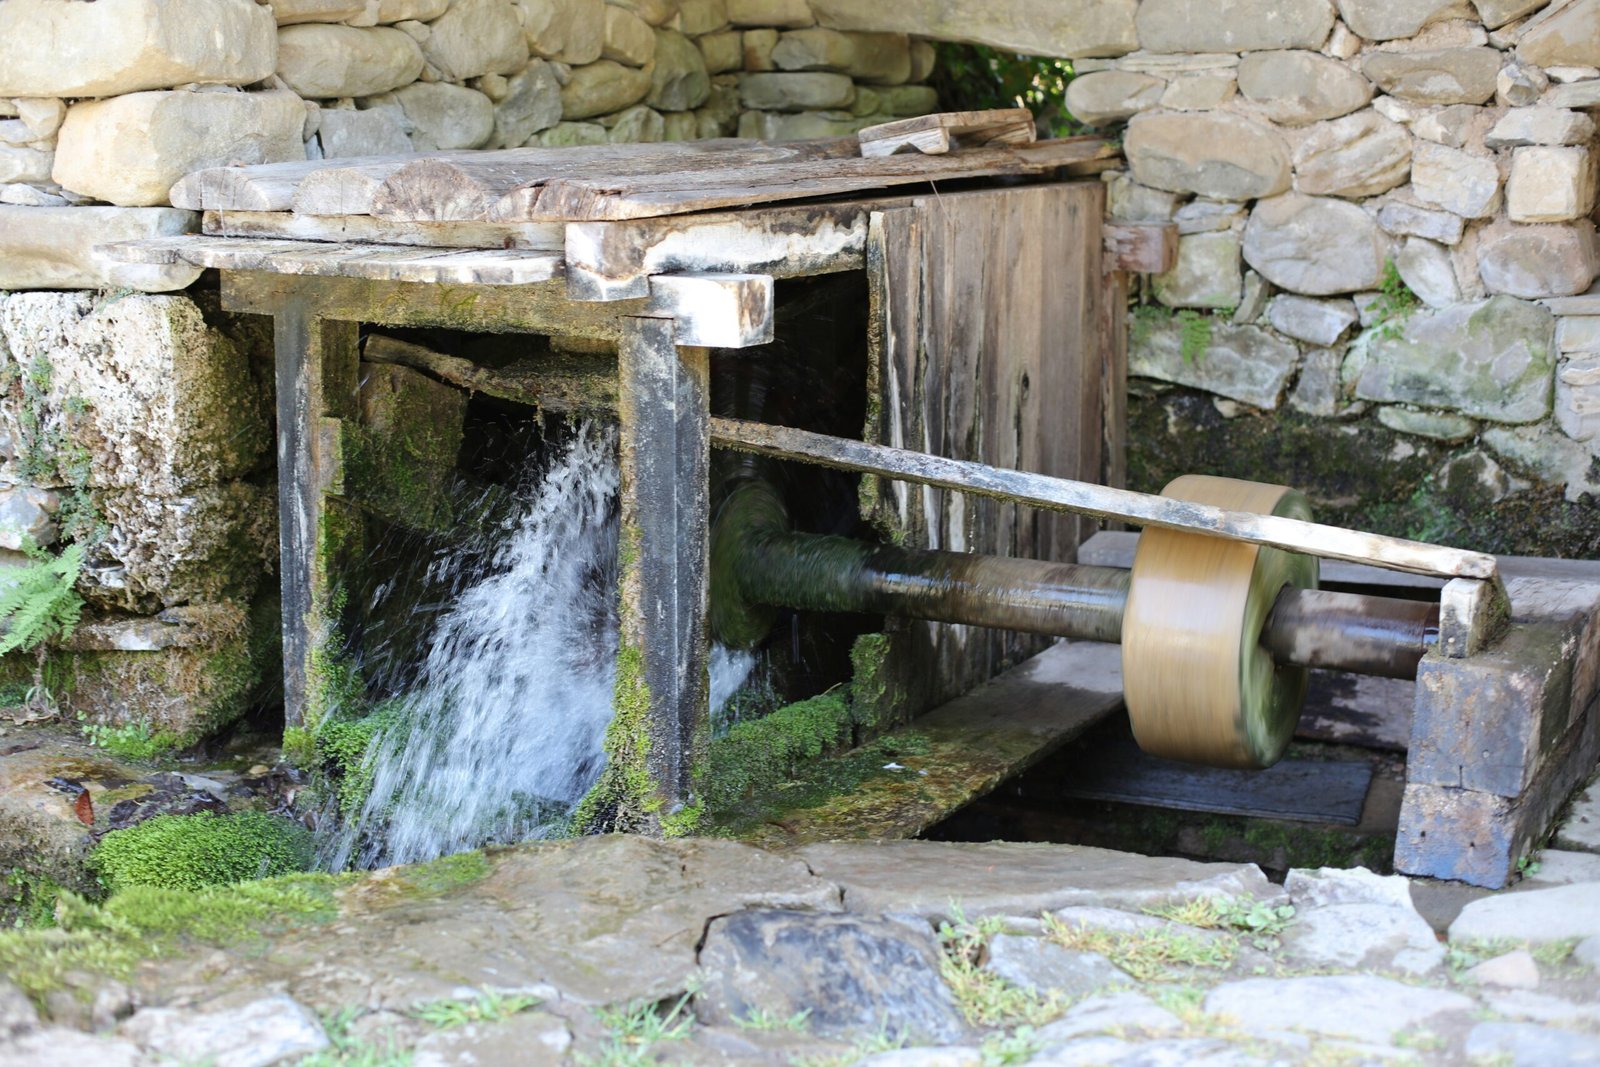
(611, 260)
(1141, 248)
(542, 308)
(282, 225)
(715, 310)
(934, 135)
(551, 382)
(1100, 501)
(663, 403)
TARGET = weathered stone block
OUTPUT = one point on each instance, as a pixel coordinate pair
(1200, 91)
(696, 17)
(722, 51)
(1452, 125)
(130, 149)
(640, 124)
(628, 38)
(1578, 398)
(798, 126)
(1299, 87)
(444, 116)
(1318, 322)
(1315, 245)
(1222, 156)
(1106, 96)
(377, 131)
(532, 103)
(323, 62)
(1519, 84)
(786, 14)
(1569, 38)
(1428, 271)
(54, 247)
(159, 401)
(1445, 76)
(1386, 20)
(1487, 476)
(796, 92)
(1541, 125)
(1356, 156)
(1072, 29)
(476, 37)
(572, 31)
(1492, 360)
(601, 88)
(27, 517)
(1243, 363)
(1207, 274)
(875, 58)
(50, 48)
(678, 77)
(289, 12)
(412, 10)
(1556, 259)
(1496, 13)
(1551, 184)
(1232, 25)
(758, 46)
(1404, 219)
(909, 99)
(1578, 333)
(1465, 184)
(26, 163)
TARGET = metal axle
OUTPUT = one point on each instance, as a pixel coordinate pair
(758, 564)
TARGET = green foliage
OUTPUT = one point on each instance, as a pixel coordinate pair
(759, 753)
(1394, 304)
(345, 1049)
(147, 922)
(488, 1006)
(1153, 954)
(29, 898)
(1260, 923)
(633, 1030)
(42, 603)
(344, 744)
(1194, 333)
(205, 849)
(1019, 1046)
(763, 1019)
(985, 998)
(976, 78)
(135, 740)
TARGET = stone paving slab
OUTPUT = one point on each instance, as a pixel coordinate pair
(927, 877)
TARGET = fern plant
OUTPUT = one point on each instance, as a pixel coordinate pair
(42, 602)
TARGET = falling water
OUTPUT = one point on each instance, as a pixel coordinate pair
(502, 732)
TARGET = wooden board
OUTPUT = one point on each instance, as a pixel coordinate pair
(386, 263)
(936, 134)
(1321, 791)
(364, 229)
(978, 353)
(1351, 709)
(622, 197)
(960, 752)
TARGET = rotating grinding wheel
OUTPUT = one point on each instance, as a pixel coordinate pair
(1198, 685)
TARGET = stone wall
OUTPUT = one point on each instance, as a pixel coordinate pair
(1386, 211)
(135, 418)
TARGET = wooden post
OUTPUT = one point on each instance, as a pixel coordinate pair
(663, 403)
(316, 378)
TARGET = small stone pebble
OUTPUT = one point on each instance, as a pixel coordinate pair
(1514, 970)
(1042, 965)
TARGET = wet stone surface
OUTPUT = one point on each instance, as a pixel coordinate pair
(623, 950)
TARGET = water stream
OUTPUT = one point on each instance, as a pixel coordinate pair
(501, 733)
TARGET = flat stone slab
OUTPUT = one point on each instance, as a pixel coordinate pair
(1536, 916)
(1119, 1012)
(1530, 1045)
(852, 976)
(1362, 1007)
(999, 878)
(1039, 964)
(1580, 831)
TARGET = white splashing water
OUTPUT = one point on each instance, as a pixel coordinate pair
(506, 722)
(511, 706)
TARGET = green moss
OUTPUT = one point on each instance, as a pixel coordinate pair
(341, 746)
(135, 740)
(446, 873)
(195, 851)
(757, 755)
(149, 922)
(625, 794)
(872, 692)
(28, 899)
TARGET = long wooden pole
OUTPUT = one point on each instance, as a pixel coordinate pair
(1105, 502)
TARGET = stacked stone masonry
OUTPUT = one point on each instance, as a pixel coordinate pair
(1314, 153)
(135, 418)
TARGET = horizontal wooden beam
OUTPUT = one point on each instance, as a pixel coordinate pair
(1100, 501)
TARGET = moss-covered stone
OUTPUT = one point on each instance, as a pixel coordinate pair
(400, 461)
(1358, 474)
(757, 755)
(200, 850)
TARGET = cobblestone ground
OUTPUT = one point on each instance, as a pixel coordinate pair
(621, 950)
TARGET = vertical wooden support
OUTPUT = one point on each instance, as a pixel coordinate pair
(316, 379)
(663, 403)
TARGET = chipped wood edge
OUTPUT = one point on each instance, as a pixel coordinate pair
(715, 310)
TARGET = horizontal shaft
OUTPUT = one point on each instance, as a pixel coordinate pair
(1314, 628)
